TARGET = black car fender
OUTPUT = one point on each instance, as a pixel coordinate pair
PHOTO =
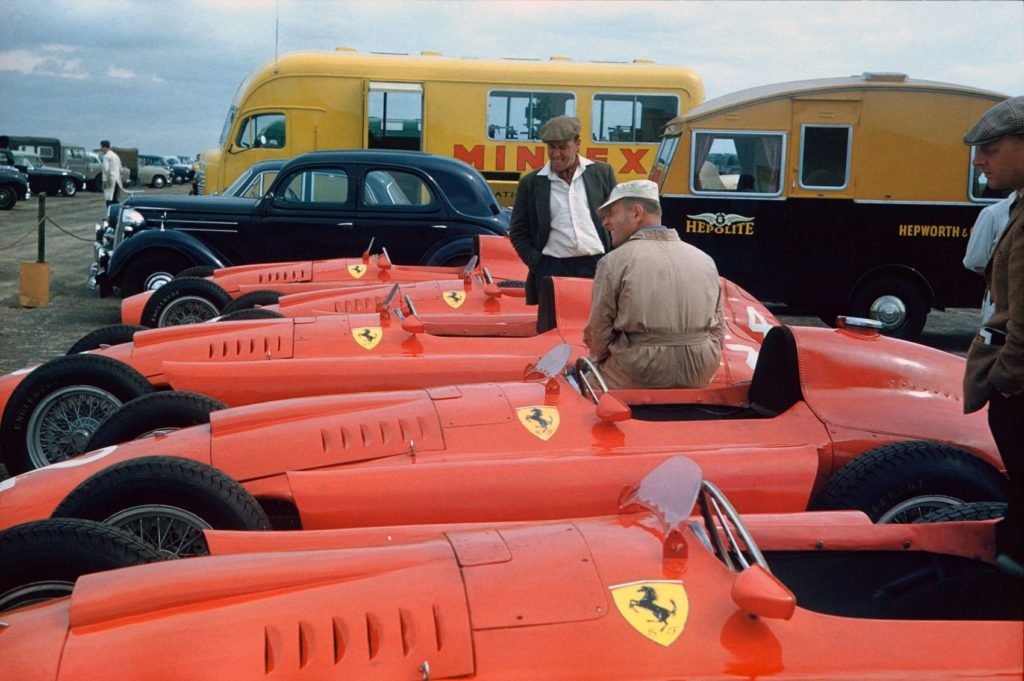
(166, 240)
(441, 253)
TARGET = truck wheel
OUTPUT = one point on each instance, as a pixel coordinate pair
(976, 510)
(113, 334)
(158, 181)
(902, 481)
(8, 198)
(151, 271)
(53, 412)
(252, 299)
(68, 187)
(165, 501)
(901, 306)
(41, 560)
(151, 414)
(184, 300)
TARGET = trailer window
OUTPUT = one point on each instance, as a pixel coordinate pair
(395, 116)
(631, 118)
(825, 156)
(737, 162)
(519, 115)
(261, 130)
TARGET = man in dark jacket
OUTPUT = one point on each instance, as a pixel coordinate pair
(555, 228)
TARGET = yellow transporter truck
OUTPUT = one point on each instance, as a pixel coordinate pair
(843, 196)
(487, 113)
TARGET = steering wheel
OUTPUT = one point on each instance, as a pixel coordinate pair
(724, 527)
(583, 367)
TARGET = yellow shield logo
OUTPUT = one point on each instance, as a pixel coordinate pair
(657, 609)
(368, 336)
(541, 421)
(357, 271)
(455, 298)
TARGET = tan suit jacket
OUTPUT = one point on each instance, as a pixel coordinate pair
(1001, 367)
(656, 314)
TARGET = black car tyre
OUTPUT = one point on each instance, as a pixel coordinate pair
(158, 181)
(251, 300)
(165, 501)
(251, 313)
(53, 412)
(8, 197)
(900, 305)
(114, 334)
(68, 187)
(41, 560)
(195, 271)
(902, 481)
(184, 300)
(151, 270)
(158, 412)
(975, 510)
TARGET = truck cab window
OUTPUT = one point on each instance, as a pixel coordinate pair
(631, 118)
(261, 130)
(825, 157)
(518, 115)
(734, 162)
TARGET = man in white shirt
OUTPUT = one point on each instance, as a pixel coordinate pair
(555, 228)
(113, 190)
(985, 234)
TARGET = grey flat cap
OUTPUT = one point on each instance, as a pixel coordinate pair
(560, 129)
(1005, 118)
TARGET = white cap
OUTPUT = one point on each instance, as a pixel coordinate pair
(640, 189)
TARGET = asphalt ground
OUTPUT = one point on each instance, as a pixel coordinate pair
(29, 336)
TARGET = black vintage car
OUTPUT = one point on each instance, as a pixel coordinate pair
(13, 186)
(43, 178)
(423, 209)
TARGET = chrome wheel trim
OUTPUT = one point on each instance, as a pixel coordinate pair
(172, 531)
(890, 310)
(155, 280)
(61, 425)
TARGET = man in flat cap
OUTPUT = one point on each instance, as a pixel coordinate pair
(555, 228)
(656, 312)
(995, 361)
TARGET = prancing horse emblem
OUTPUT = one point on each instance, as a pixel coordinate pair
(368, 336)
(455, 298)
(541, 421)
(659, 613)
(357, 271)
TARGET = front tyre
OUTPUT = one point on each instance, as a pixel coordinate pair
(152, 414)
(151, 270)
(184, 300)
(68, 187)
(8, 198)
(113, 334)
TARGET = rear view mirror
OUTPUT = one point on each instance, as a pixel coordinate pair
(760, 593)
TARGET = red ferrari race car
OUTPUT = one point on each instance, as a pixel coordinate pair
(49, 412)
(675, 584)
(845, 417)
(189, 299)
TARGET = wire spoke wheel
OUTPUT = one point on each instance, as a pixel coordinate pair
(62, 424)
(172, 531)
(914, 509)
(34, 592)
(188, 310)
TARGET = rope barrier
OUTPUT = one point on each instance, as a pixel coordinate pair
(35, 227)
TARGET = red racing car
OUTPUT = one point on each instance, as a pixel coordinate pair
(672, 584)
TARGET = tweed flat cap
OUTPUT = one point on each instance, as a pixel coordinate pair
(560, 129)
(1005, 118)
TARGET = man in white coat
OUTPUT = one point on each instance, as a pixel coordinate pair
(113, 190)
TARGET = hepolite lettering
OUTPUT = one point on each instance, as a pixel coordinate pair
(720, 223)
(935, 231)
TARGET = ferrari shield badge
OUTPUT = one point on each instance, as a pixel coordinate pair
(455, 298)
(357, 271)
(541, 421)
(657, 609)
(368, 336)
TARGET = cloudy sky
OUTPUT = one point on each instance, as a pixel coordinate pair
(160, 76)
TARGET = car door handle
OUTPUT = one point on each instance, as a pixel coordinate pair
(346, 224)
(439, 226)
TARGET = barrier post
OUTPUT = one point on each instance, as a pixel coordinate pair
(34, 282)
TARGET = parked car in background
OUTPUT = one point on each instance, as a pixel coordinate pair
(254, 182)
(154, 171)
(13, 186)
(424, 209)
(44, 178)
(180, 172)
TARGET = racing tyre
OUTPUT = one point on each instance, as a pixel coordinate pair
(68, 187)
(115, 334)
(53, 412)
(41, 560)
(196, 271)
(151, 271)
(8, 198)
(251, 300)
(184, 300)
(902, 481)
(165, 501)
(151, 414)
(901, 306)
(251, 313)
(976, 510)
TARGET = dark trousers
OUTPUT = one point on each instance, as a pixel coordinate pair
(1006, 420)
(582, 267)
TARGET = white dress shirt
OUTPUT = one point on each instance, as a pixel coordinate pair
(573, 232)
